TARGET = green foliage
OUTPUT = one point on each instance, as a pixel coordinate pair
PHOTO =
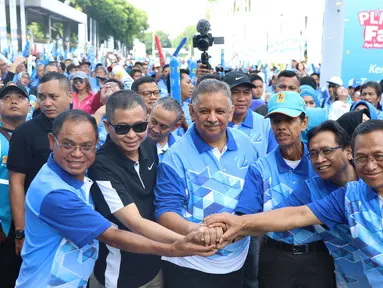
(189, 32)
(37, 30)
(147, 39)
(116, 18)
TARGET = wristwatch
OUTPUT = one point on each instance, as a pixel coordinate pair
(19, 234)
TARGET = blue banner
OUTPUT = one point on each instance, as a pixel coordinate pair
(363, 41)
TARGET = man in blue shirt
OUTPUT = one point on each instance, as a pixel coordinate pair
(203, 173)
(254, 125)
(164, 118)
(358, 205)
(287, 258)
(14, 107)
(331, 156)
(62, 227)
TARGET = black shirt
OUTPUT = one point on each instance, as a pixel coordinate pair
(116, 185)
(29, 148)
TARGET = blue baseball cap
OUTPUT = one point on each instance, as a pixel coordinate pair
(287, 102)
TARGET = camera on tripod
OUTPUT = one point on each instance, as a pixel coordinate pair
(205, 40)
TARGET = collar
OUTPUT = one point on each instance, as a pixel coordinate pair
(202, 146)
(370, 193)
(247, 122)
(171, 139)
(77, 184)
(330, 186)
(186, 101)
(302, 168)
(45, 122)
(112, 149)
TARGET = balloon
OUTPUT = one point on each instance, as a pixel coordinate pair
(159, 48)
(182, 43)
(193, 71)
(175, 85)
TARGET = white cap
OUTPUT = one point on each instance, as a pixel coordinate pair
(335, 80)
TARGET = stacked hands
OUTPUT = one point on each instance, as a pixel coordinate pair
(216, 231)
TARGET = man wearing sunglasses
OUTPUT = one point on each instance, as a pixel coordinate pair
(125, 175)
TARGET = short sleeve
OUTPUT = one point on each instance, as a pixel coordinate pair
(108, 192)
(299, 197)
(170, 191)
(251, 199)
(20, 154)
(72, 217)
(331, 209)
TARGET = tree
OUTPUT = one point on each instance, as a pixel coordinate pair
(116, 18)
(147, 39)
(189, 32)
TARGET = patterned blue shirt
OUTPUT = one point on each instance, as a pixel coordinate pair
(269, 182)
(102, 133)
(259, 130)
(194, 183)
(360, 208)
(61, 228)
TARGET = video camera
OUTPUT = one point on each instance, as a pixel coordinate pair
(205, 40)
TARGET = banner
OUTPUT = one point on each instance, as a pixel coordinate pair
(363, 41)
(13, 22)
(3, 27)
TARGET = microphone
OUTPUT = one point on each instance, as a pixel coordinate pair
(203, 26)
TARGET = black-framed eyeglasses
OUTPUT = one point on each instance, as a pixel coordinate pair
(325, 152)
(124, 129)
(69, 147)
(78, 80)
(147, 94)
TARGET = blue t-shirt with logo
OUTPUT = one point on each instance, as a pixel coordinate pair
(61, 227)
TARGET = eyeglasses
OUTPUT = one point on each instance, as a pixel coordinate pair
(147, 94)
(69, 147)
(363, 160)
(325, 152)
(124, 129)
(78, 80)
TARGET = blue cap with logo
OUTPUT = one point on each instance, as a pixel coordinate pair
(287, 102)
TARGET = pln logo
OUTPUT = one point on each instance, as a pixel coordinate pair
(372, 21)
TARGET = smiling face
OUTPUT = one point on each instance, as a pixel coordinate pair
(130, 142)
(287, 130)
(74, 133)
(370, 145)
(336, 162)
(212, 114)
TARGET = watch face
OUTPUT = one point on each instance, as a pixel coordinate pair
(19, 234)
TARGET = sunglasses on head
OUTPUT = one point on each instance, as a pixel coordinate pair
(77, 80)
(124, 129)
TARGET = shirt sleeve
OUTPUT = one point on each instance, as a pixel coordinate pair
(20, 152)
(96, 101)
(331, 209)
(251, 199)
(108, 192)
(72, 217)
(170, 191)
(299, 197)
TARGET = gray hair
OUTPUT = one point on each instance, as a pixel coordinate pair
(210, 86)
(169, 104)
(124, 99)
(101, 68)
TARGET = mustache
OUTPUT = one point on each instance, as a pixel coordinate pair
(211, 124)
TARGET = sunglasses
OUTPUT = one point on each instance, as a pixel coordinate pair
(77, 80)
(124, 129)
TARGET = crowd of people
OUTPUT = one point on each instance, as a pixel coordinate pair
(250, 181)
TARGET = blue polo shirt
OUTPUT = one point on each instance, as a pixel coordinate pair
(5, 207)
(269, 182)
(172, 138)
(259, 130)
(194, 183)
(360, 207)
(185, 108)
(347, 257)
(61, 228)
(102, 133)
